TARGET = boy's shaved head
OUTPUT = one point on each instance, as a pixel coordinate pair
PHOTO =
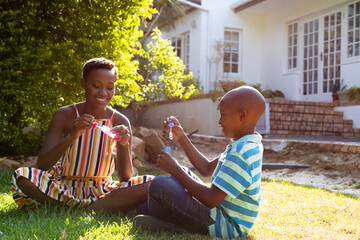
(248, 98)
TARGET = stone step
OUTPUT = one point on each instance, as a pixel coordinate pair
(309, 119)
(308, 104)
(306, 117)
(345, 127)
(302, 133)
(316, 120)
(317, 112)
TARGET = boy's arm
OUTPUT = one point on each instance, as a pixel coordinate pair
(209, 196)
(198, 160)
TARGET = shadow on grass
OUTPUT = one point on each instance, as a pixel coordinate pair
(53, 223)
(48, 222)
(5, 181)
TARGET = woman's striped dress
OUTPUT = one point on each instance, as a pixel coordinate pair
(81, 176)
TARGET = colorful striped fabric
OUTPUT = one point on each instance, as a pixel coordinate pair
(238, 174)
(81, 176)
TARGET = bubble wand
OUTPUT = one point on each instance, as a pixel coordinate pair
(170, 125)
(107, 131)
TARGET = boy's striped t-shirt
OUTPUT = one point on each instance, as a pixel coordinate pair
(238, 174)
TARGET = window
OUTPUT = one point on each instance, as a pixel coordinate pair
(182, 47)
(353, 30)
(176, 43)
(310, 61)
(186, 58)
(292, 46)
(231, 51)
(332, 50)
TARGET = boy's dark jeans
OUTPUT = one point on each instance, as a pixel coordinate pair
(168, 199)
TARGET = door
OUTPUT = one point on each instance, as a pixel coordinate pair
(311, 59)
(321, 56)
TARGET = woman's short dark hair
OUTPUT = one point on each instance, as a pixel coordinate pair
(98, 63)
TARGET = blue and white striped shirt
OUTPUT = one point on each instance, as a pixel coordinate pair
(238, 174)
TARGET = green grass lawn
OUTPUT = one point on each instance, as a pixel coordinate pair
(288, 211)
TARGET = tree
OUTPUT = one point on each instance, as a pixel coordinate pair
(43, 45)
(164, 76)
(169, 11)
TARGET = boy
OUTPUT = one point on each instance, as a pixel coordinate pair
(229, 206)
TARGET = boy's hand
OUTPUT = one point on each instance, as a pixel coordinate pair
(166, 162)
(123, 132)
(81, 124)
(177, 130)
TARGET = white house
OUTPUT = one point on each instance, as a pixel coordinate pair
(296, 46)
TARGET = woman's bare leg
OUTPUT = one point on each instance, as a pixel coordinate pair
(30, 190)
(122, 199)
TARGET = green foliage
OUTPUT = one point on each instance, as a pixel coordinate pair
(192, 81)
(167, 72)
(43, 46)
(168, 12)
(164, 74)
(272, 94)
(229, 85)
(336, 86)
(353, 93)
(257, 87)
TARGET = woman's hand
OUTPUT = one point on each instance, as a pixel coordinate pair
(81, 124)
(177, 130)
(166, 162)
(123, 133)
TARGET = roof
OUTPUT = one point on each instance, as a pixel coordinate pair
(191, 5)
(244, 4)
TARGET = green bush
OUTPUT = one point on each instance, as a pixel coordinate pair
(164, 74)
(43, 45)
(272, 94)
(353, 93)
(229, 85)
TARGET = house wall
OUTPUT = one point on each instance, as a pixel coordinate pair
(221, 16)
(191, 23)
(196, 114)
(210, 25)
(274, 74)
(351, 113)
(263, 44)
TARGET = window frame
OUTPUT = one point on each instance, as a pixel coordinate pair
(182, 50)
(292, 47)
(225, 51)
(177, 47)
(354, 31)
(186, 47)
